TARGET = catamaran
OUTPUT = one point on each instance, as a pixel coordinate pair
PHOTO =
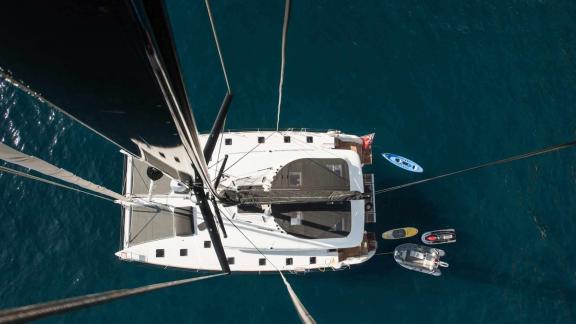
(288, 200)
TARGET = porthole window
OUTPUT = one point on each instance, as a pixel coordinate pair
(162, 154)
(288, 261)
(183, 252)
(177, 159)
(159, 253)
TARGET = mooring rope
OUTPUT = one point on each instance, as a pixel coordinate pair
(36, 311)
(506, 160)
(284, 31)
(208, 8)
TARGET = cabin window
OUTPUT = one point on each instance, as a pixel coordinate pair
(262, 261)
(296, 220)
(159, 253)
(295, 178)
(336, 168)
(183, 252)
(332, 250)
(177, 159)
(289, 261)
(261, 139)
(309, 139)
(162, 154)
(312, 260)
(286, 139)
(207, 244)
(231, 260)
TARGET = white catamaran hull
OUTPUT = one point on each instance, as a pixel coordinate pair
(272, 235)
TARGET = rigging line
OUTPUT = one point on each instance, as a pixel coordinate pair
(245, 154)
(209, 9)
(215, 163)
(225, 212)
(384, 253)
(284, 31)
(36, 311)
(32, 177)
(20, 85)
(506, 160)
(303, 313)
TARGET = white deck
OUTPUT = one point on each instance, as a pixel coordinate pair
(262, 230)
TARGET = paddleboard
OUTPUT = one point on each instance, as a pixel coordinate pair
(403, 162)
(399, 233)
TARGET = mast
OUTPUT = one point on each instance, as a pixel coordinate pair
(152, 20)
(87, 60)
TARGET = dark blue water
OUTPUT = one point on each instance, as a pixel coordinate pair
(449, 84)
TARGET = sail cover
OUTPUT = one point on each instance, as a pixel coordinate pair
(92, 59)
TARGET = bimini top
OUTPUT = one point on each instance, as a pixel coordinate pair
(314, 221)
(308, 198)
(300, 181)
(313, 178)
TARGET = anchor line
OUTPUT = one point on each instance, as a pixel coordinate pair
(485, 165)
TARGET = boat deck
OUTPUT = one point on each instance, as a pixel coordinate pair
(140, 184)
(150, 223)
(171, 231)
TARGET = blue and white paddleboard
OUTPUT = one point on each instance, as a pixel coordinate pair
(403, 162)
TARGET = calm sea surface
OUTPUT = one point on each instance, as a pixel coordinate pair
(449, 84)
